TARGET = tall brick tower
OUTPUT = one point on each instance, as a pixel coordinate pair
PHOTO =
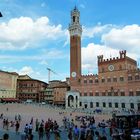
(75, 31)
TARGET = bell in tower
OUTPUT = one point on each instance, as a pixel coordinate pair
(75, 27)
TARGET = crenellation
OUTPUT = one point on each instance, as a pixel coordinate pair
(122, 56)
(100, 58)
(89, 75)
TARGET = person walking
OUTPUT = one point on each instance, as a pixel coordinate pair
(47, 130)
(17, 127)
(97, 136)
(41, 132)
(76, 133)
(70, 134)
(36, 125)
(89, 135)
(30, 128)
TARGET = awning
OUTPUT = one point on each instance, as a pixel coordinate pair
(9, 99)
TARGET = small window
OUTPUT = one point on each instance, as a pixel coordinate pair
(110, 104)
(97, 94)
(108, 79)
(131, 93)
(122, 93)
(137, 77)
(114, 79)
(137, 93)
(79, 80)
(85, 81)
(73, 18)
(115, 93)
(90, 81)
(129, 78)
(78, 19)
(109, 94)
(97, 104)
(85, 94)
(116, 105)
(103, 80)
(80, 103)
(132, 105)
(91, 104)
(122, 79)
(96, 81)
(104, 104)
(103, 94)
(91, 94)
(123, 105)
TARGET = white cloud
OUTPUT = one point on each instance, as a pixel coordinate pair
(90, 53)
(20, 33)
(113, 39)
(127, 38)
(44, 62)
(33, 73)
(26, 70)
(53, 54)
(42, 58)
(99, 29)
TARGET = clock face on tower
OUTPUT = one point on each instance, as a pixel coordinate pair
(110, 67)
(73, 74)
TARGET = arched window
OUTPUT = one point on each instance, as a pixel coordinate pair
(73, 18)
(123, 105)
(91, 104)
(132, 105)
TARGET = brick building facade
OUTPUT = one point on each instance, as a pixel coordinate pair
(28, 88)
(116, 86)
(8, 82)
(56, 92)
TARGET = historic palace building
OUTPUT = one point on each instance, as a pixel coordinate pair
(115, 87)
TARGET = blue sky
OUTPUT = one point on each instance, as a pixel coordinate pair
(34, 35)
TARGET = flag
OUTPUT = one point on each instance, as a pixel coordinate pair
(1, 14)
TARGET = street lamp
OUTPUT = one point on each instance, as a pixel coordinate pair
(1, 14)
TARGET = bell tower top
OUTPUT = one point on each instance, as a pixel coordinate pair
(74, 27)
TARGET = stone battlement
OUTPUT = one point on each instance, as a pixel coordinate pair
(89, 75)
(102, 60)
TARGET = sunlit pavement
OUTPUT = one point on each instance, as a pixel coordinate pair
(40, 112)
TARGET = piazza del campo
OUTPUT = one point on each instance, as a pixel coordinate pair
(103, 106)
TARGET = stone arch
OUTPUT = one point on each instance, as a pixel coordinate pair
(70, 100)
